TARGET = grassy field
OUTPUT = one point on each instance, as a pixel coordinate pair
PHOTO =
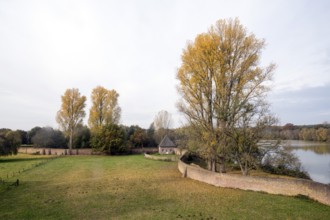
(12, 166)
(132, 187)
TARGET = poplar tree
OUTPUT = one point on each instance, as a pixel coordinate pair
(71, 113)
(219, 79)
(105, 109)
(104, 117)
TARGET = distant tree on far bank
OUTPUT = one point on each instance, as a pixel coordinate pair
(323, 134)
(71, 113)
(318, 132)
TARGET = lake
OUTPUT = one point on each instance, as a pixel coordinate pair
(314, 157)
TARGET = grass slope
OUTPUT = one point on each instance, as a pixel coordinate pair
(131, 187)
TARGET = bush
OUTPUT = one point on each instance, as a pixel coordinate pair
(109, 139)
(9, 141)
(282, 170)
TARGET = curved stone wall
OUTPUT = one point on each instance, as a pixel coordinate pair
(292, 187)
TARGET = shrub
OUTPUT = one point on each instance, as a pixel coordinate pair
(109, 139)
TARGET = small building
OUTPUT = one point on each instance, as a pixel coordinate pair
(166, 146)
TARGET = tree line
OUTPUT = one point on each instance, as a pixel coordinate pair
(106, 134)
(319, 132)
(103, 133)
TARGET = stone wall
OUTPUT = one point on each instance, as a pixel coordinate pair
(161, 158)
(83, 151)
(292, 187)
(55, 151)
(149, 150)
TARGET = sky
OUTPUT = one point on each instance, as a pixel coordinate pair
(135, 47)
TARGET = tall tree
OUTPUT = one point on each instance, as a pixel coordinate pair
(105, 109)
(219, 76)
(162, 123)
(163, 120)
(71, 113)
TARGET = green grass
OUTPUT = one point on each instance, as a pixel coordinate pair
(12, 166)
(132, 187)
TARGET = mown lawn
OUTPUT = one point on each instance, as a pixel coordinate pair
(131, 187)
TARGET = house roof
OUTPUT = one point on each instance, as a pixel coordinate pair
(166, 142)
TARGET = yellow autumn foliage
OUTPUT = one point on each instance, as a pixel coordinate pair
(219, 76)
(71, 113)
(105, 109)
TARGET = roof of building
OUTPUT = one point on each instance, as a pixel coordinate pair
(166, 142)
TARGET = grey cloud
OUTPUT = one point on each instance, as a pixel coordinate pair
(306, 106)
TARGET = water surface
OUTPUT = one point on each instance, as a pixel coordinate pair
(314, 157)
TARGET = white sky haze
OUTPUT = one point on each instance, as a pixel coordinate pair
(134, 47)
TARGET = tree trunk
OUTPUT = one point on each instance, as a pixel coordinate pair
(71, 139)
(222, 165)
(245, 172)
(244, 169)
(211, 165)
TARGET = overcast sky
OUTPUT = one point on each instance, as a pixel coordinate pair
(134, 47)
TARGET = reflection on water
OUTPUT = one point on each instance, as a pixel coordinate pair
(314, 157)
(316, 147)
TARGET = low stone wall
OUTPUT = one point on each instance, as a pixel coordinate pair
(55, 151)
(149, 150)
(292, 187)
(83, 151)
(161, 158)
